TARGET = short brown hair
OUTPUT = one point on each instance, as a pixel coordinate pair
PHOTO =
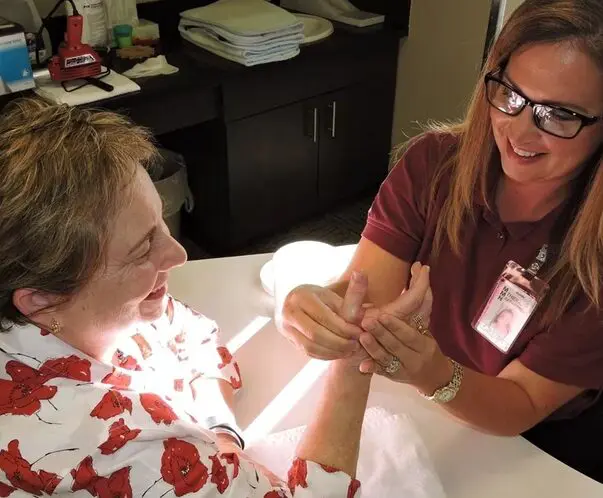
(65, 173)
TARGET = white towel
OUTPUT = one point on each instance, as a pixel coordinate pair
(243, 17)
(53, 91)
(249, 32)
(239, 55)
(209, 38)
(393, 459)
(294, 33)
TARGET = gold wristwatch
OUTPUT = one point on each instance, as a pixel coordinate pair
(448, 392)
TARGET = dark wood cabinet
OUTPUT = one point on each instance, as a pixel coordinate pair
(354, 141)
(288, 140)
(289, 163)
(272, 168)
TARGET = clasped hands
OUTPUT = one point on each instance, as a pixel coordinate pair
(391, 340)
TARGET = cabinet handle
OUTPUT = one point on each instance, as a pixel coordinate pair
(315, 125)
(333, 127)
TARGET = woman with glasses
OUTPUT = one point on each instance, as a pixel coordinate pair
(506, 208)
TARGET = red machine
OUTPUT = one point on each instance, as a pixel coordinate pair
(75, 60)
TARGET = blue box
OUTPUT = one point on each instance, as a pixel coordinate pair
(15, 67)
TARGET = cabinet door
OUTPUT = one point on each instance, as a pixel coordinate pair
(355, 140)
(272, 169)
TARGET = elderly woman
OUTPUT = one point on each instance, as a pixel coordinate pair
(506, 208)
(108, 385)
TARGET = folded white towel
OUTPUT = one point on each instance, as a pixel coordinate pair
(285, 42)
(242, 56)
(393, 459)
(53, 91)
(294, 32)
(243, 17)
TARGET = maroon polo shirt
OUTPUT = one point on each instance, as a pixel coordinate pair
(400, 222)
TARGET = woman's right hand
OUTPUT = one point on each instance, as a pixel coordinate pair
(311, 320)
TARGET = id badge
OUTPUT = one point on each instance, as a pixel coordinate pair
(510, 305)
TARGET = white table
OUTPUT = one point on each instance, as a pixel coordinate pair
(281, 386)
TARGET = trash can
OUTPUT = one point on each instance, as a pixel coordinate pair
(170, 179)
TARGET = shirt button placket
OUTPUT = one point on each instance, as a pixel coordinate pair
(501, 238)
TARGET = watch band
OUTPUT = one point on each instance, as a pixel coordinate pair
(226, 424)
(448, 392)
(226, 429)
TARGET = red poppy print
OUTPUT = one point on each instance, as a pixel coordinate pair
(117, 485)
(50, 481)
(126, 362)
(43, 332)
(20, 372)
(219, 476)
(353, 488)
(236, 382)
(119, 435)
(177, 345)
(24, 397)
(70, 367)
(19, 473)
(169, 311)
(275, 494)
(329, 469)
(298, 474)
(232, 459)
(6, 490)
(118, 380)
(225, 356)
(178, 385)
(182, 468)
(111, 404)
(158, 409)
(145, 348)
(84, 476)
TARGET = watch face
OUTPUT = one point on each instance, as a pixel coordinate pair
(446, 395)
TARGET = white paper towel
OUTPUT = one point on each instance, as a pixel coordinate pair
(393, 459)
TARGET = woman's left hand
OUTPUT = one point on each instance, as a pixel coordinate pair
(410, 353)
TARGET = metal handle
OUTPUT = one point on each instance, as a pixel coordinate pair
(315, 125)
(333, 127)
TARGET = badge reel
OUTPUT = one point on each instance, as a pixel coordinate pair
(511, 303)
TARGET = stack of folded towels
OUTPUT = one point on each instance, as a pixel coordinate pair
(249, 32)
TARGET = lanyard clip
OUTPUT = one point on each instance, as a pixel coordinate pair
(539, 261)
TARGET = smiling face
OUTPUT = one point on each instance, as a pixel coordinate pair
(133, 285)
(557, 74)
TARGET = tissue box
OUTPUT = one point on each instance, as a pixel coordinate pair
(15, 68)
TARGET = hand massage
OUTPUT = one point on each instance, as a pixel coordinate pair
(476, 284)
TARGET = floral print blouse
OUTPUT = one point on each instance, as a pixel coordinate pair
(71, 425)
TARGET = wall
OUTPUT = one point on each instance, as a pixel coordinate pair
(439, 62)
(44, 6)
(510, 6)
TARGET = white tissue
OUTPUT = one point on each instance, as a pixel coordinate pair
(151, 67)
(393, 458)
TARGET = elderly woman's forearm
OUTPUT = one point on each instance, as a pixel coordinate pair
(333, 437)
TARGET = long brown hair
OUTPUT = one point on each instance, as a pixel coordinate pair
(65, 173)
(578, 263)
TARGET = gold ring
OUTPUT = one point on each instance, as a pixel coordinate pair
(419, 324)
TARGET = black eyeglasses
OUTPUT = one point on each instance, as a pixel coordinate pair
(552, 119)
